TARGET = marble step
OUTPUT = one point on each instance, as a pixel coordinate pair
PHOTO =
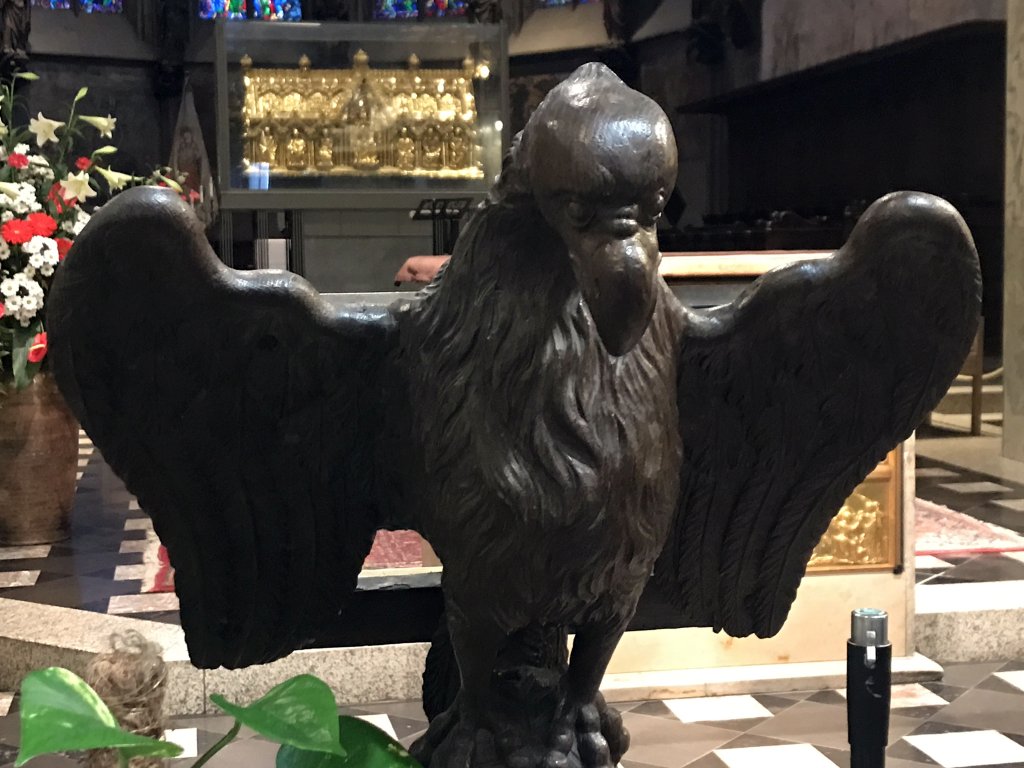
(970, 622)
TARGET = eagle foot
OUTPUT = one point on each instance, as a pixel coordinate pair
(587, 736)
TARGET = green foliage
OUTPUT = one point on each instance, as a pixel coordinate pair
(24, 370)
(61, 713)
(299, 712)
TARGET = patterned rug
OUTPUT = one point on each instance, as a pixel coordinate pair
(944, 531)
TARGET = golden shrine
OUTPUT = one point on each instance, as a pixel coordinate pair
(362, 121)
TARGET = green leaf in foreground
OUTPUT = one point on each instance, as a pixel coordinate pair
(299, 712)
(61, 713)
(365, 745)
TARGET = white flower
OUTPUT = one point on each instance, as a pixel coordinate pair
(35, 245)
(47, 270)
(44, 129)
(67, 226)
(105, 125)
(37, 160)
(3, 129)
(6, 216)
(76, 186)
(5, 250)
(24, 296)
(21, 149)
(36, 261)
(115, 179)
(80, 221)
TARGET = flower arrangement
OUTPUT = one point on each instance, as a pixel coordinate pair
(45, 189)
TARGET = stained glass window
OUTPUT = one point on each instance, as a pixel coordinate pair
(89, 6)
(287, 10)
(222, 9)
(396, 9)
(439, 8)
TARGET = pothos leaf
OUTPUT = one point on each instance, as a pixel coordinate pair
(61, 713)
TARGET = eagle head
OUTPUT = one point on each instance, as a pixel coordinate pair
(600, 161)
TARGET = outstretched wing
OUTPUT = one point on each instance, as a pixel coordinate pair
(789, 396)
(244, 412)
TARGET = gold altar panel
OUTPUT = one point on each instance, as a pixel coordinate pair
(865, 534)
(363, 121)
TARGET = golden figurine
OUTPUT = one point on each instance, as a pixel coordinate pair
(298, 158)
(405, 147)
(362, 121)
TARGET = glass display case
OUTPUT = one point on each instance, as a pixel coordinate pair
(317, 115)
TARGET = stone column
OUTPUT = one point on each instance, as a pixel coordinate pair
(1013, 271)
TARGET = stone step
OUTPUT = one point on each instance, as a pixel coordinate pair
(958, 399)
(971, 622)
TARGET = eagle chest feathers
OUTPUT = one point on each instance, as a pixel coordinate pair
(534, 440)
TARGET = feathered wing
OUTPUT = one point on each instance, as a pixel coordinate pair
(245, 414)
(791, 395)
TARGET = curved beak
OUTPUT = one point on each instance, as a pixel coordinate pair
(618, 277)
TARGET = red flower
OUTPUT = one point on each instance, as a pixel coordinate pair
(37, 351)
(193, 196)
(3, 310)
(56, 196)
(17, 232)
(63, 246)
(83, 163)
(17, 160)
(42, 224)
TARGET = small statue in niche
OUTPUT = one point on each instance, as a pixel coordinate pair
(550, 418)
(432, 148)
(297, 151)
(266, 148)
(16, 18)
(365, 148)
(325, 149)
(405, 149)
(459, 148)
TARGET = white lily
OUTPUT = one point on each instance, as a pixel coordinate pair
(9, 189)
(105, 125)
(44, 129)
(76, 186)
(115, 179)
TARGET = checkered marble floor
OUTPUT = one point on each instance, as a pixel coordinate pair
(974, 717)
(983, 497)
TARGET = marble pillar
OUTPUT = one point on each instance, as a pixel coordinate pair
(1013, 270)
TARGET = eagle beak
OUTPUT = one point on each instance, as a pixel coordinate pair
(618, 277)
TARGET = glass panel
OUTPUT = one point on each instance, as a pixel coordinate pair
(439, 8)
(89, 6)
(396, 9)
(222, 9)
(358, 107)
(285, 10)
(860, 534)
(557, 3)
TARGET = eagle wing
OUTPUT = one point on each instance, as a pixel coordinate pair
(245, 414)
(792, 394)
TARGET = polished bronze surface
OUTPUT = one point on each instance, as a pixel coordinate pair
(363, 121)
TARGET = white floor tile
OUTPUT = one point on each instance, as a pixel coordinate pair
(383, 722)
(975, 596)
(934, 472)
(138, 524)
(148, 603)
(711, 708)
(983, 486)
(10, 579)
(910, 695)
(930, 563)
(186, 738)
(134, 547)
(133, 504)
(1016, 679)
(6, 699)
(1017, 505)
(24, 553)
(968, 748)
(780, 756)
(131, 572)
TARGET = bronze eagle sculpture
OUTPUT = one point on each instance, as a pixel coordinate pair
(545, 414)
